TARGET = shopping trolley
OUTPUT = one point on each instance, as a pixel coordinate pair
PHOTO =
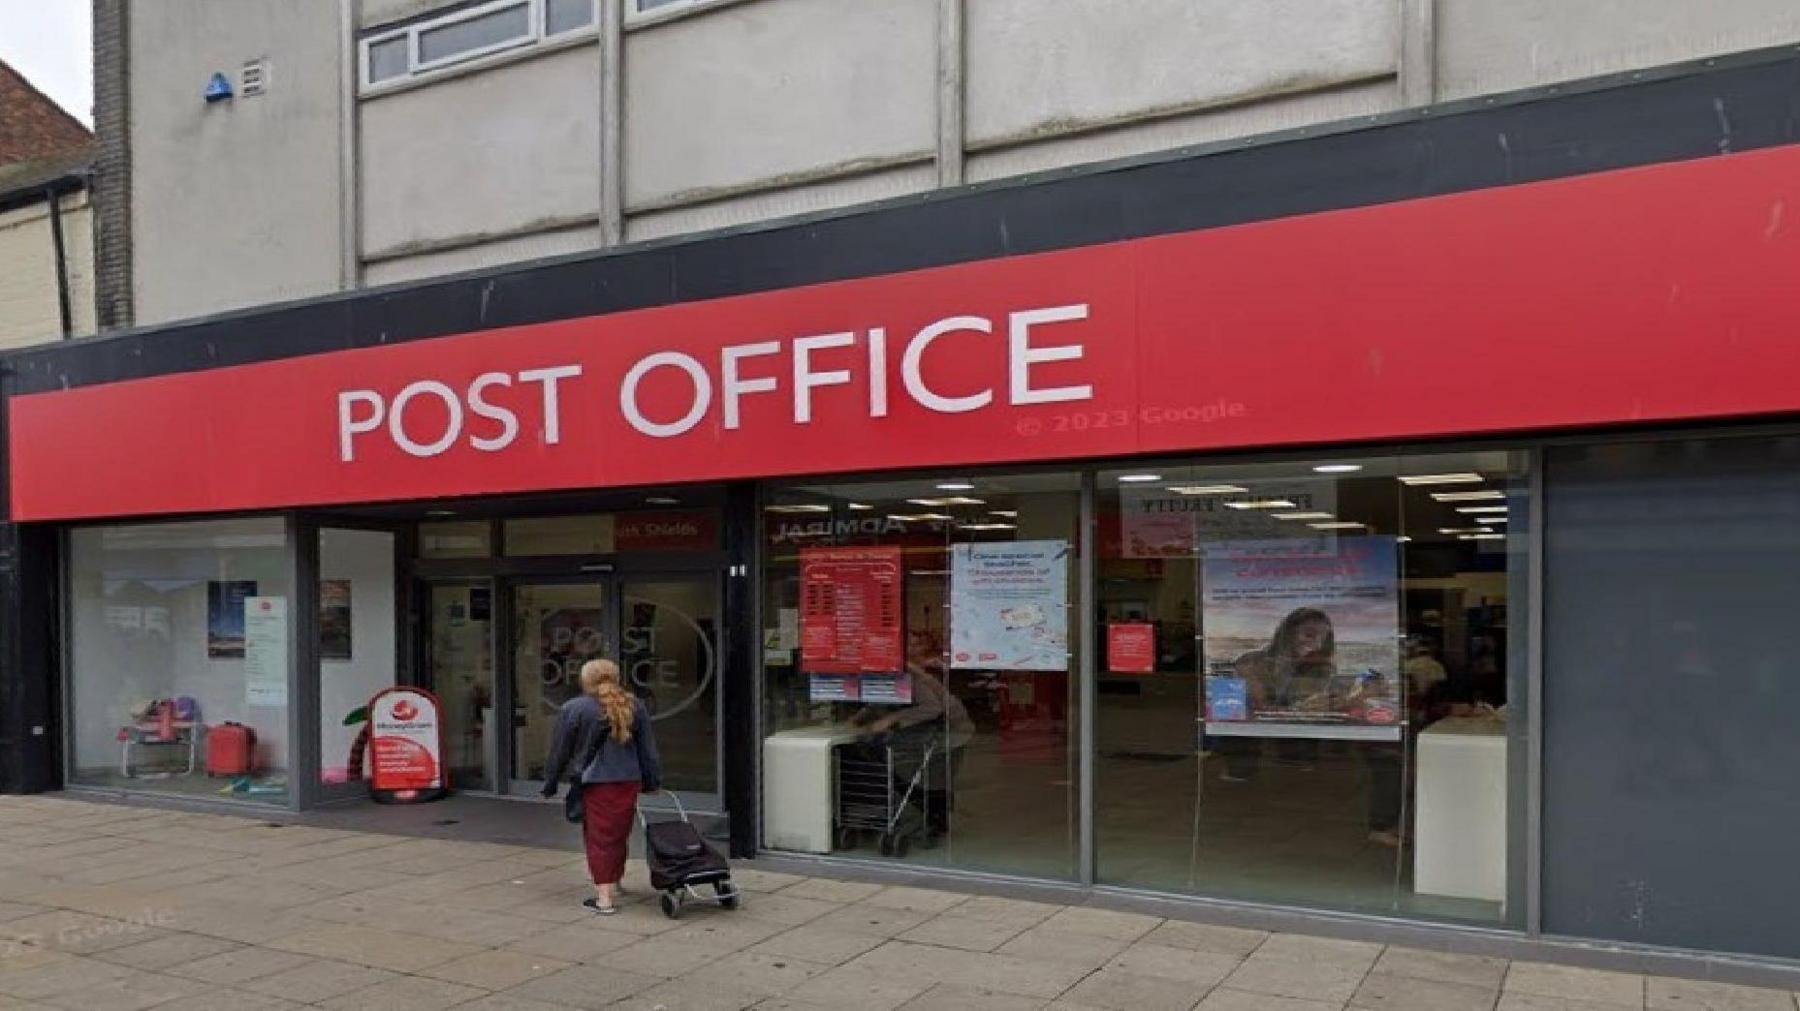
(881, 787)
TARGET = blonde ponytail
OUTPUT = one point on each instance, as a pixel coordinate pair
(600, 678)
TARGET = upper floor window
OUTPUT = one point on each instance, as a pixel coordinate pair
(637, 11)
(468, 33)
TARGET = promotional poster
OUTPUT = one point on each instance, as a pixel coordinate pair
(1303, 631)
(225, 617)
(334, 619)
(1176, 521)
(1131, 647)
(1009, 606)
(265, 651)
(406, 744)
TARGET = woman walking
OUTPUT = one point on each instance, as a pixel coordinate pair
(609, 730)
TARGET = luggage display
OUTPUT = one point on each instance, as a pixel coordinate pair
(230, 750)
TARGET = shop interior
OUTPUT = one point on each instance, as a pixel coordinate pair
(1216, 560)
(975, 767)
(1407, 810)
(181, 639)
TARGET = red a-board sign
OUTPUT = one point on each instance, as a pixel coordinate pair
(406, 746)
(1663, 293)
(850, 610)
(1131, 647)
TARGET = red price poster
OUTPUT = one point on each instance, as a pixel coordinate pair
(850, 610)
(1131, 648)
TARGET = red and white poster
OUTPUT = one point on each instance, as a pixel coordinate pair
(850, 610)
(1131, 647)
(406, 743)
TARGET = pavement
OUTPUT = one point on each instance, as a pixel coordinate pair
(105, 906)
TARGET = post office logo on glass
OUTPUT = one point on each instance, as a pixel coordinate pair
(572, 636)
(666, 683)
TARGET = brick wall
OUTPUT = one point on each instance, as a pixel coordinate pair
(111, 179)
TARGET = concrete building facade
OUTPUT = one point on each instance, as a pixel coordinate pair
(544, 127)
(1252, 459)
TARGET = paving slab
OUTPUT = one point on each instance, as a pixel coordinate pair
(318, 980)
(1115, 990)
(1621, 989)
(1662, 994)
(105, 907)
(1281, 976)
(1405, 993)
(1442, 967)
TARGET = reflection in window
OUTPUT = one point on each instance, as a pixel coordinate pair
(456, 539)
(567, 15)
(474, 35)
(919, 655)
(1303, 680)
(178, 645)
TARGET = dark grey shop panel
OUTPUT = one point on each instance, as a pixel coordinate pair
(1672, 694)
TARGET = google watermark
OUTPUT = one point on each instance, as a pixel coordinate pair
(13, 945)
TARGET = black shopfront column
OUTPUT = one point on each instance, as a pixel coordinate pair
(738, 668)
(30, 687)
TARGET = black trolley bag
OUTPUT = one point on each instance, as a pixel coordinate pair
(681, 861)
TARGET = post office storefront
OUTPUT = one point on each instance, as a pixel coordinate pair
(1290, 530)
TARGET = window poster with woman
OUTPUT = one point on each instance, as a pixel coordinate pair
(1301, 635)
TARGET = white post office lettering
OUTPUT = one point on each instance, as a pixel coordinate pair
(363, 411)
(490, 417)
(738, 378)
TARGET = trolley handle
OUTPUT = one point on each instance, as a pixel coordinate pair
(679, 809)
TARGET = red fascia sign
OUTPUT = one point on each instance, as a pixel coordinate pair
(1662, 293)
(406, 746)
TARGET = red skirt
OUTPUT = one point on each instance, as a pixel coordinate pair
(608, 809)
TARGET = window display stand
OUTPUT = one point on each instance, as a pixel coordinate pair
(183, 733)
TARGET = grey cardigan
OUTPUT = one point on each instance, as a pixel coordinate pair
(581, 723)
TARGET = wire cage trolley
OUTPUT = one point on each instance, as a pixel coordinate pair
(881, 789)
(681, 862)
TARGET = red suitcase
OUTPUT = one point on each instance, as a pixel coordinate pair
(230, 750)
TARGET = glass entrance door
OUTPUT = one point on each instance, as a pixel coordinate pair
(555, 626)
(670, 643)
(459, 663)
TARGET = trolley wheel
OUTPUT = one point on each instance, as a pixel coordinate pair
(671, 906)
(728, 897)
(846, 838)
(887, 845)
(902, 843)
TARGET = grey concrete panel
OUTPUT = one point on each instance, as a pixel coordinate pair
(767, 205)
(1286, 113)
(483, 156)
(1484, 46)
(234, 203)
(487, 254)
(760, 95)
(1039, 68)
